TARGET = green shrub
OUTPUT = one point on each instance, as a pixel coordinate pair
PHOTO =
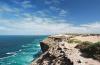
(92, 50)
(74, 41)
(86, 43)
(83, 45)
(77, 41)
(70, 41)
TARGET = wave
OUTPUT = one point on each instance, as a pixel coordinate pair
(11, 53)
(38, 45)
(20, 50)
(28, 45)
(6, 57)
(24, 55)
(24, 46)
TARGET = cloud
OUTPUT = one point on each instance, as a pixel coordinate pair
(54, 8)
(2, 28)
(42, 21)
(9, 10)
(60, 12)
(5, 8)
(53, 2)
(92, 25)
(42, 13)
(63, 13)
(26, 4)
(44, 26)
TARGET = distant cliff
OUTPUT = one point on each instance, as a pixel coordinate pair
(57, 51)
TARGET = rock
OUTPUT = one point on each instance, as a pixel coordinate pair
(79, 61)
(61, 53)
(54, 56)
(44, 46)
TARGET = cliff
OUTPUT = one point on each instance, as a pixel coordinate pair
(57, 51)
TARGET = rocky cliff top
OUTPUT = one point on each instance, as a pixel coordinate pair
(60, 52)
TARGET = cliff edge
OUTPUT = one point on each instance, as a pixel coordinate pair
(57, 51)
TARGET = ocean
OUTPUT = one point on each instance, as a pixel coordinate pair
(19, 50)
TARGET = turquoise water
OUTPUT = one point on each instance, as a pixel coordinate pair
(19, 50)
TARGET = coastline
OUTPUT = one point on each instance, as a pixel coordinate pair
(57, 51)
(19, 50)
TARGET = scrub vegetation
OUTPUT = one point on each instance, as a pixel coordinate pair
(90, 49)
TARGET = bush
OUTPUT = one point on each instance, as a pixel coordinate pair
(70, 41)
(77, 41)
(74, 41)
(83, 45)
(92, 50)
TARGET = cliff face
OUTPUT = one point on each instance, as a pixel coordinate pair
(44, 47)
(54, 56)
(50, 41)
(54, 53)
(58, 52)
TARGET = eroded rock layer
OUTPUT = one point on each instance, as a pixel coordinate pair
(59, 52)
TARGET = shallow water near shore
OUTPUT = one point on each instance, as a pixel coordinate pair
(19, 50)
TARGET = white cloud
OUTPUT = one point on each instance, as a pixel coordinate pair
(53, 2)
(92, 25)
(37, 25)
(63, 13)
(54, 8)
(2, 28)
(42, 13)
(59, 11)
(26, 4)
(5, 8)
(38, 22)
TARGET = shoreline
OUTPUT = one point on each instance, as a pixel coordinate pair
(57, 51)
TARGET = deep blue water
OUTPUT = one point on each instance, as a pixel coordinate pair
(19, 50)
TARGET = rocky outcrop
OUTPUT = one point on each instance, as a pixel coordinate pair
(58, 52)
(50, 41)
(46, 43)
(54, 56)
(44, 46)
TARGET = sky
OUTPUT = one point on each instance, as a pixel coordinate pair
(46, 17)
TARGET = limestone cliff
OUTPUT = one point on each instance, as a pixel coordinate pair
(58, 52)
